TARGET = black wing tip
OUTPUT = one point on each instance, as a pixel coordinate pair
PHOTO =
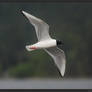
(21, 11)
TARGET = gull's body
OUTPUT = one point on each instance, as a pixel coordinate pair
(42, 45)
(46, 42)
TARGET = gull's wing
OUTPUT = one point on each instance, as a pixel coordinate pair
(59, 58)
(42, 28)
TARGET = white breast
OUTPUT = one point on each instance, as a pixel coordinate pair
(45, 44)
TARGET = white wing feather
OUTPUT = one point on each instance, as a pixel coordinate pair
(59, 58)
(42, 28)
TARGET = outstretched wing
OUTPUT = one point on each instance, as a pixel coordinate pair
(59, 58)
(42, 28)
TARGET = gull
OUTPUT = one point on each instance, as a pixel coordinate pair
(46, 43)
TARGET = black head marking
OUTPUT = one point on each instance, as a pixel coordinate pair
(59, 42)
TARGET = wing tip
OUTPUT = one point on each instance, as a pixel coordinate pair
(22, 12)
(62, 73)
(26, 15)
(62, 70)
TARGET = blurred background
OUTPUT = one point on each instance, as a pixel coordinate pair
(70, 22)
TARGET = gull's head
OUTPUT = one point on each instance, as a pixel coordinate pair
(59, 42)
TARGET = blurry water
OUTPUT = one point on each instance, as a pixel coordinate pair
(45, 84)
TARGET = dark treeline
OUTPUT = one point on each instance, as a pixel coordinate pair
(70, 22)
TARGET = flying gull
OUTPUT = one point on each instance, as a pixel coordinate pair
(46, 42)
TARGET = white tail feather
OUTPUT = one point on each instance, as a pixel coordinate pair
(28, 48)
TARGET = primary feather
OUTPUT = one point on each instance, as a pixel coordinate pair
(59, 58)
(41, 28)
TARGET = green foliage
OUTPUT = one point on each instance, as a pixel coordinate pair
(21, 71)
(33, 68)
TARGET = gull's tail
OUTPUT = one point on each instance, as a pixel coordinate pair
(30, 48)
